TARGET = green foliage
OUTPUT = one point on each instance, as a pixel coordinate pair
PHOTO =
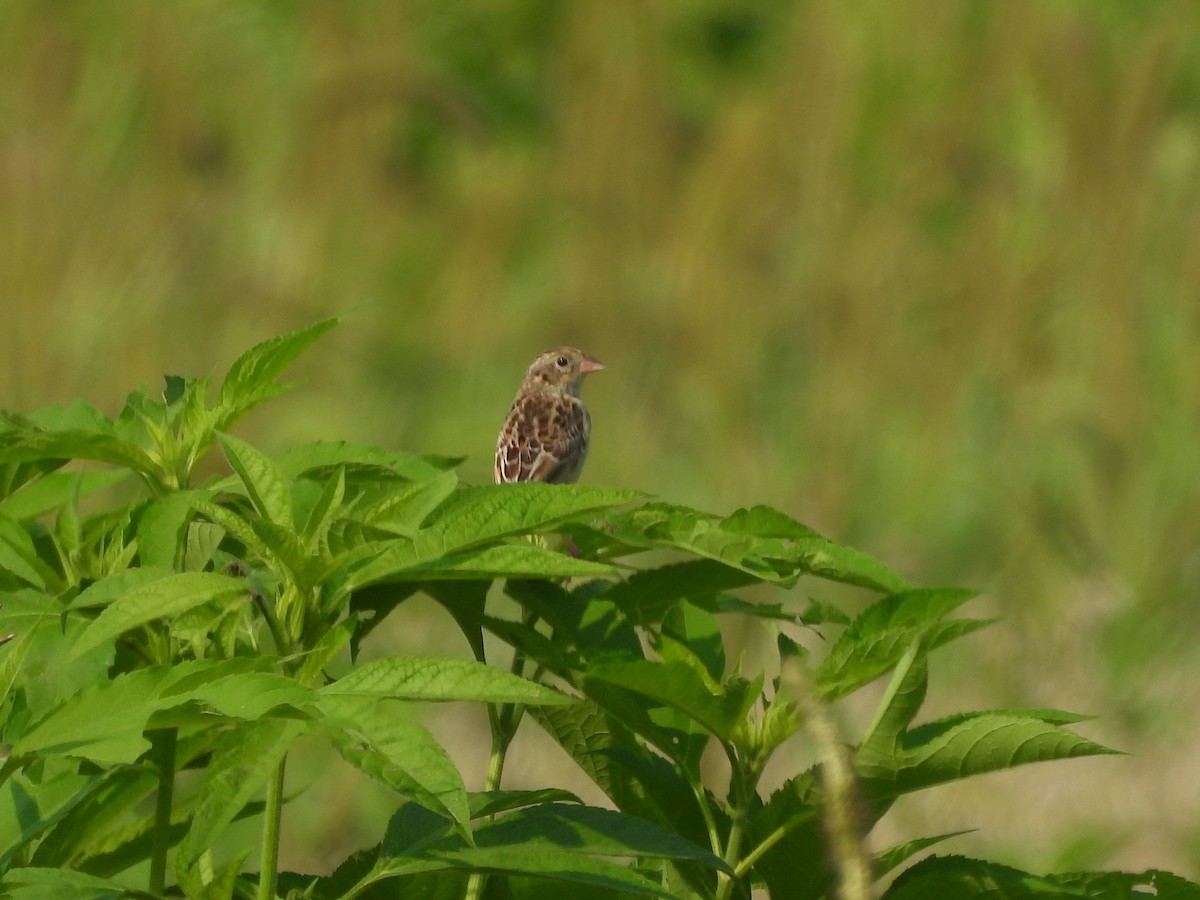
(204, 626)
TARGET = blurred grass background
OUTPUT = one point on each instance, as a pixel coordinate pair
(925, 277)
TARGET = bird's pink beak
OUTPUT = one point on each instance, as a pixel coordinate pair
(588, 365)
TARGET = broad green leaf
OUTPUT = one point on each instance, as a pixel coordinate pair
(479, 515)
(646, 594)
(111, 588)
(1122, 885)
(235, 525)
(397, 752)
(697, 630)
(893, 857)
(241, 765)
(797, 864)
(314, 519)
(506, 561)
(106, 721)
(251, 379)
(589, 736)
(415, 678)
(55, 488)
(835, 562)
(880, 636)
(77, 414)
(590, 830)
(28, 445)
(405, 506)
(702, 534)
(244, 695)
(35, 664)
(118, 790)
(681, 687)
(564, 842)
(359, 458)
(261, 479)
(960, 878)
(162, 528)
(564, 866)
(19, 558)
(880, 748)
(491, 803)
(161, 598)
(102, 723)
(62, 884)
(815, 554)
(30, 808)
(976, 743)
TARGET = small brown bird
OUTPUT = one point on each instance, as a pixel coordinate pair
(546, 434)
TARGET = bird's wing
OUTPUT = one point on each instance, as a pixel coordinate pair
(543, 439)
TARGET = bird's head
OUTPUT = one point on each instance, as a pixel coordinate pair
(561, 370)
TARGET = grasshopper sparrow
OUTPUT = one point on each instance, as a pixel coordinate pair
(546, 434)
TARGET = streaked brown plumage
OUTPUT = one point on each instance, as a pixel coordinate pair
(546, 434)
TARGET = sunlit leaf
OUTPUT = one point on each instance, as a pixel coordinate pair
(414, 678)
(261, 478)
(156, 599)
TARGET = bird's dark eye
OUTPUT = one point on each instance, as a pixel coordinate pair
(562, 362)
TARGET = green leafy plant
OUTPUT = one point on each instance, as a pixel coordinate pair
(153, 625)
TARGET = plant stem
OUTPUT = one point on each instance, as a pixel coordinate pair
(747, 862)
(269, 871)
(163, 750)
(743, 782)
(505, 719)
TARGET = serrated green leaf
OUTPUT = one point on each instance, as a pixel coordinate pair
(432, 679)
(880, 748)
(251, 379)
(398, 753)
(19, 558)
(30, 445)
(563, 866)
(589, 735)
(797, 863)
(162, 528)
(242, 763)
(491, 803)
(505, 561)
(43, 494)
(960, 878)
(567, 843)
(880, 636)
(836, 562)
(893, 857)
(1121, 885)
(405, 506)
(29, 808)
(477, 516)
(105, 722)
(646, 594)
(157, 599)
(358, 459)
(681, 687)
(261, 479)
(976, 743)
(114, 794)
(315, 519)
(62, 884)
(697, 630)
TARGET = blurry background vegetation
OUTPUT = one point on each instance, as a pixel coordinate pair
(925, 276)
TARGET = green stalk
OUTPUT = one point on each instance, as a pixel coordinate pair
(268, 875)
(743, 783)
(162, 744)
